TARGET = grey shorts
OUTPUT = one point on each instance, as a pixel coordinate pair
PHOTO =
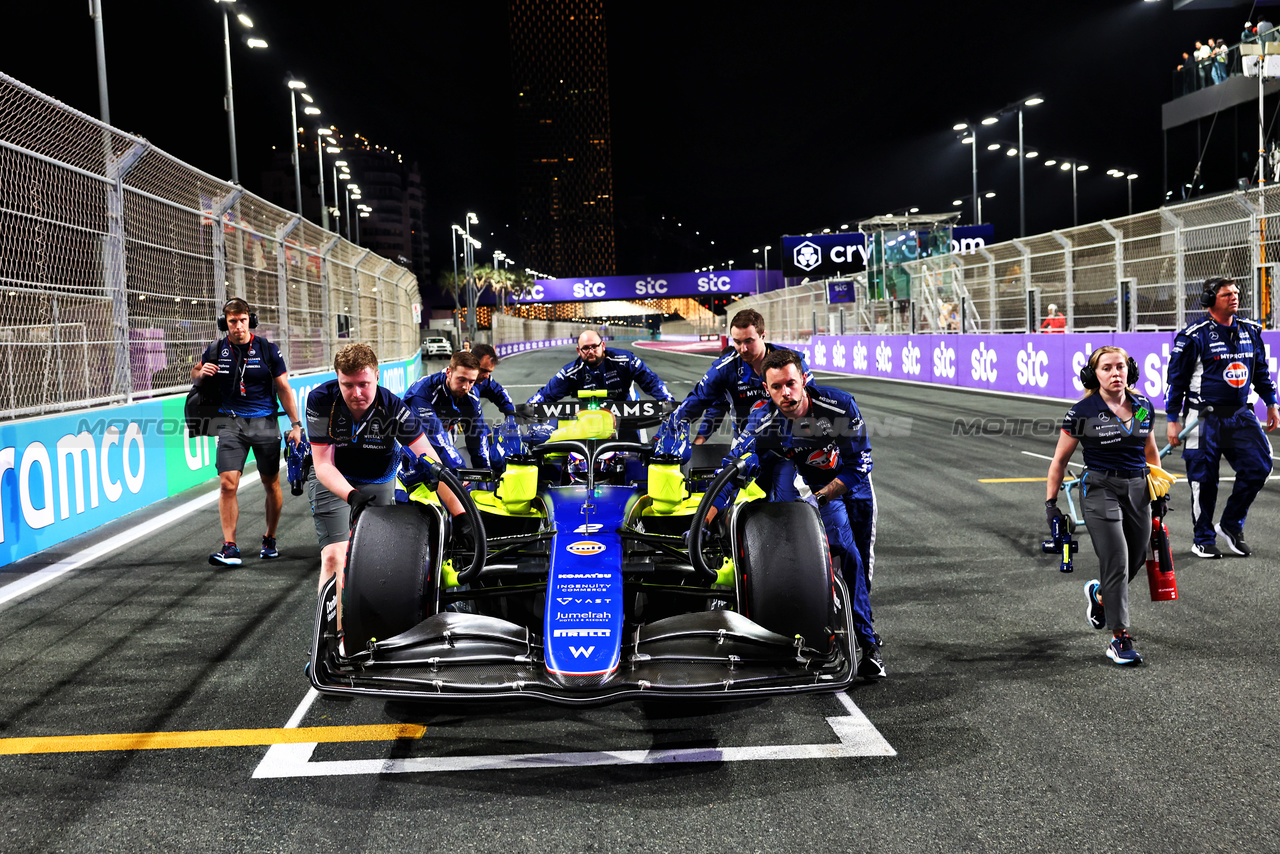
(237, 435)
(332, 514)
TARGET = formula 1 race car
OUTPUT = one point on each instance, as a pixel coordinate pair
(586, 578)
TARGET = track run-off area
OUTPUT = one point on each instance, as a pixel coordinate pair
(153, 702)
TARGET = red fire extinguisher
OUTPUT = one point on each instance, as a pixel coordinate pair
(1164, 587)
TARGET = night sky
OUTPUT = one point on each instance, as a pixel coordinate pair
(742, 121)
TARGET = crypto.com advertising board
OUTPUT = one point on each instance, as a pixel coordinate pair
(720, 282)
(1035, 364)
(821, 256)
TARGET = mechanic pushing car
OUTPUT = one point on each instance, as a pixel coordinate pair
(734, 381)
(486, 386)
(1213, 363)
(820, 430)
(598, 369)
(251, 374)
(356, 427)
(451, 397)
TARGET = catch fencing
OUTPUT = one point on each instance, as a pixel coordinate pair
(116, 258)
(1141, 273)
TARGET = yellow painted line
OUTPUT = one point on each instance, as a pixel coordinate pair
(1012, 479)
(208, 738)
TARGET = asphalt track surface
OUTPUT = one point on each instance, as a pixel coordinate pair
(1001, 727)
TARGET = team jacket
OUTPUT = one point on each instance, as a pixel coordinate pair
(615, 374)
(829, 443)
(1107, 442)
(440, 411)
(364, 450)
(1214, 365)
(730, 385)
(491, 390)
(246, 375)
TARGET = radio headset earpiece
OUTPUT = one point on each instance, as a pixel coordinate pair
(1089, 373)
(244, 308)
(1209, 295)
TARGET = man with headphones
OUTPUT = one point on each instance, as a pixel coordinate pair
(251, 374)
(1214, 362)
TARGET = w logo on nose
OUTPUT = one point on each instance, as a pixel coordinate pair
(582, 651)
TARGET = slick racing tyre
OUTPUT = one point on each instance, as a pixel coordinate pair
(391, 574)
(786, 571)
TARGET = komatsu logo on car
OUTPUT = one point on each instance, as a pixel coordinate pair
(586, 547)
(580, 633)
(584, 575)
(1236, 375)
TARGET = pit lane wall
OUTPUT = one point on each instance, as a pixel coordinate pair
(1037, 365)
(63, 475)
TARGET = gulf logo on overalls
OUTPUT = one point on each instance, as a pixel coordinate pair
(585, 547)
(1236, 375)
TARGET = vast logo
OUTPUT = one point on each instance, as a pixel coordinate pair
(1031, 367)
(585, 547)
(884, 358)
(944, 362)
(911, 359)
(982, 364)
(1236, 375)
(807, 256)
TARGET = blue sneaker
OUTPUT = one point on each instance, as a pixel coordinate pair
(1094, 612)
(1121, 650)
(269, 549)
(228, 555)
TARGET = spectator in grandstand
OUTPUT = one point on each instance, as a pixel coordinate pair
(1055, 322)
(250, 374)
(1113, 425)
(1215, 360)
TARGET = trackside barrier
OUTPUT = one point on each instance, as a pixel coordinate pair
(504, 350)
(1036, 365)
(63, 475)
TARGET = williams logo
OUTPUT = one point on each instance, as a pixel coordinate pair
(1236, 375)
(586, 547)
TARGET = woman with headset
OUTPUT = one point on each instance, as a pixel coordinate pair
(1112, 424)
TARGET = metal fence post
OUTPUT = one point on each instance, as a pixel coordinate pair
(1070, 272)
(220, 208)
(1179, 265)
(115, 268)
(328, 332)
(282, 286)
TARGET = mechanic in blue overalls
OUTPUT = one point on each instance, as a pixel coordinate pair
(820, 430)
(251, 374)
(357, 428)
(596, 368)
(450, 396)
(1214, 362)
(486, 386)
(733, 383)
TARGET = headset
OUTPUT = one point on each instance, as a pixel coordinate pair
(1089, 373)
(222, 318)
(1209, 293)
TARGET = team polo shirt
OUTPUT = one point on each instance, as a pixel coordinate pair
(365, 449)
(1107, 442)
(246, 375)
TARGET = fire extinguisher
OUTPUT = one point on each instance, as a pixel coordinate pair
(1164, 587)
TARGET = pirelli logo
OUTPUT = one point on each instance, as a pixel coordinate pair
(580, 633)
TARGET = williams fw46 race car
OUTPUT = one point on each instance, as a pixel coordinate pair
(585, 579)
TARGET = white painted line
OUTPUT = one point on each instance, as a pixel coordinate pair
(52, 572)
(857, 737)
(1050, 459)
